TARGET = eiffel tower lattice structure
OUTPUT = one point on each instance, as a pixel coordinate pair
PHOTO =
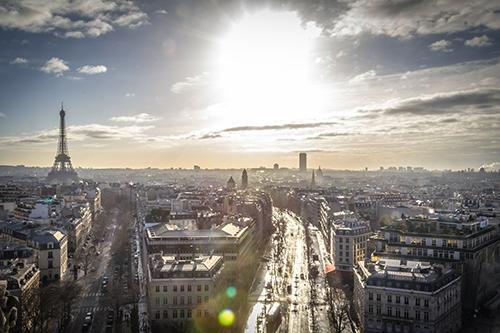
(62, 171)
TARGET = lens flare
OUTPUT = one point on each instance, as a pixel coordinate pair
(226, 317)
(231, 292)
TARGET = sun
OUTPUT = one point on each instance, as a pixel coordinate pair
(263, 68)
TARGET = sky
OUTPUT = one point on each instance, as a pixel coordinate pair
(232, 84)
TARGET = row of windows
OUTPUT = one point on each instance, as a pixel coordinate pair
(397, 299)
(181, 314)
(183, 288)
(181, 300)
(397, 312)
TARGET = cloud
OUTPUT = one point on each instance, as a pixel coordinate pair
(137, 118)
(190, 84)
(70, 19)
(405, 18)
(276, 127)
(363, 77)
(478, 100)
(481, 41)
(161, 12)
(90, 69)
(55, 66)
(81, 133)
(19, 61)
(129, 94)
(441, 45)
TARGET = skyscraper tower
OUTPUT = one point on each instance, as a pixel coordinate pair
(303, 161)
(313, 181)
(62, 171)
(244, 179)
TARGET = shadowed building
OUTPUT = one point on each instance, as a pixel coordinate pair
(302, 161)
(244, 179)
(62, 171)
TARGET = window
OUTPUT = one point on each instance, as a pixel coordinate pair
(165, 289)
(370, 308)
(341, 240)
(398, 299)
(378, 297)
(398, 312)
(189, 313)
(207, 313)
(182, 300)
(175, 288)
(389, 298)
(199, 300)
(370, 296)
(189, 287)
(389, 311)
(174, 313)
(50, 255)
(417, 301)
(426, 316)
(174, 300)
(406, 314)
(189, 300)
(206, 299)
(182, 288)
(206, 287)
(198, 313)
(165, 314)
(182, 313)
(157, 289)
(198, 287)
(417, 314)
(51, 264)
(426, 303)
(165, 300)
(379, 310)
(340, 246)
(157, 315)
(406, 300)
(157, 300)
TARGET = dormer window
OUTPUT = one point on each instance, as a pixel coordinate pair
(50, 245)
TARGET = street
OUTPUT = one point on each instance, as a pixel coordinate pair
(108, 285)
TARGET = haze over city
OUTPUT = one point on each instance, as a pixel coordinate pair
(172, 84)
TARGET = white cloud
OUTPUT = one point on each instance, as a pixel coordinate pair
(129, 94)
(161, 12)
(481, 41)
(19, 61)
(441, 45)
(55, 66)
(137, 118)
(409, 18)
(363, 77)
(70, 18)
(190, 83)
(90, 69)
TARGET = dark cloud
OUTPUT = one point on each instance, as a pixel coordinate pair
(447, 103)
(277, 127)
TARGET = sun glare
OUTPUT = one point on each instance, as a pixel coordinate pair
(263, 68)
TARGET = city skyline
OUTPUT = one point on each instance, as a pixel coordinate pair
(149, 84)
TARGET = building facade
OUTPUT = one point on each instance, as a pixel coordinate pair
(179, 290)
(407, 296)
(349, 242)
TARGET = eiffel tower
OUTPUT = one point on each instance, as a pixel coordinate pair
(62, 171)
